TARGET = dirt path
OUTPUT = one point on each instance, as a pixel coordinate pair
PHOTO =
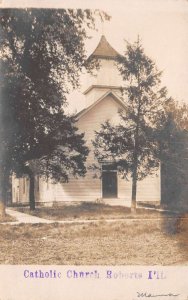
(25, 218)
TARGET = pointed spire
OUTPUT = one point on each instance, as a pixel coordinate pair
(104, 50)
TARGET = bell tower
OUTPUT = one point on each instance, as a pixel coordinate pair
(107, 77)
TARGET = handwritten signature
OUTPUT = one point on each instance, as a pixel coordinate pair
(148, 295)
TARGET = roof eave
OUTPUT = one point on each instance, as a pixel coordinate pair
(84, 111)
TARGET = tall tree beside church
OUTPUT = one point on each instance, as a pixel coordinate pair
(130, 144)
(42, 56)
(172, 138)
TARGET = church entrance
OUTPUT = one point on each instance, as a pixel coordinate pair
(109, 181)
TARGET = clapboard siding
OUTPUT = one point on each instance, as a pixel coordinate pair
(20, 190)
(149, 188)
(107, 75)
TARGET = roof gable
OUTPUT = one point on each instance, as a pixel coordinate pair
(109, 93)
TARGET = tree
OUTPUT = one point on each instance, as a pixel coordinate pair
(131, 144)
(172, 137)
(42, 56)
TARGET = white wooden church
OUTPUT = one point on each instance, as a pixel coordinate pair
(103, 101)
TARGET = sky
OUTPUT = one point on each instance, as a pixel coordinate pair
(161, 24)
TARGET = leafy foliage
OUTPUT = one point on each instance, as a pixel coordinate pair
(172, 137)
(42, 56)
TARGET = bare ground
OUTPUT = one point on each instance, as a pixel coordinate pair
(129, 242)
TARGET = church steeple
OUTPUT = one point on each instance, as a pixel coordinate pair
(107, 77)
(104, 50)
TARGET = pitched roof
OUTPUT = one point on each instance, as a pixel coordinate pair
(80, 113)
(104, 50)
(112, 93)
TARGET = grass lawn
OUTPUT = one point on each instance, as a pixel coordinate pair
(128, 242)
(7, 218)
(89, 211)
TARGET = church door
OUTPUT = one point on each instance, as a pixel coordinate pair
(109, 182)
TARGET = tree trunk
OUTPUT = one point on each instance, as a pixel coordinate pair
(31, 190)
(134, 188)
(134, 175)
(135, 154)
(3, 186)
(2, 207)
